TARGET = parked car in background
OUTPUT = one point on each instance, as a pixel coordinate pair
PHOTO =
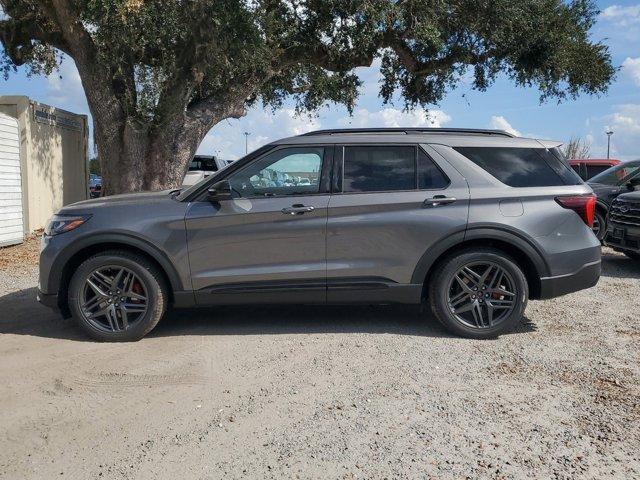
(474, 222)
(623, 227)
(202, 166)
(590, 167)
(95, 185)
(607, 186)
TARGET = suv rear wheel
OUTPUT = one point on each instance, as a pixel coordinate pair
(117, 296)
(478, 293)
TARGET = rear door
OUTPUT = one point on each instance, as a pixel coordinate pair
(390, 205)
(267, 243)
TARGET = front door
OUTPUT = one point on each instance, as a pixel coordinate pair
(267, 243)
(391, 204)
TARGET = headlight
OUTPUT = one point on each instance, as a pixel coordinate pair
(64, 223)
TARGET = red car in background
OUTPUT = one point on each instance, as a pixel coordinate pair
(590, 167)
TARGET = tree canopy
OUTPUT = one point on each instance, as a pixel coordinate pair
(164, 72)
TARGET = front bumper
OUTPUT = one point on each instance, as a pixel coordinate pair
(622, 238)
(585, 277)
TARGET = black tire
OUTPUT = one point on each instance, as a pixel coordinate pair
(600, 225)
(632, 255)
(151, 280)
(443, 280)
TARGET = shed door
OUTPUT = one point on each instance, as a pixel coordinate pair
(11, 226)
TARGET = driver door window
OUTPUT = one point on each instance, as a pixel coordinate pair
(284, 172)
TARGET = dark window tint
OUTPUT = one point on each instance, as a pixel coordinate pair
(522, 167)
(429, 175)
(593, 170)
(379, 169)
(203, 163)
(619, 174)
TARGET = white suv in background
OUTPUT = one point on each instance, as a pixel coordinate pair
(203, 166)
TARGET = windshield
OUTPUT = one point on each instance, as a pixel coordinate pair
(619, 174)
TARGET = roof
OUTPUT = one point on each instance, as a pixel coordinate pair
(453, 137)
(408, 131)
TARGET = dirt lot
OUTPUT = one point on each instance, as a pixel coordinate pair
(314, 392)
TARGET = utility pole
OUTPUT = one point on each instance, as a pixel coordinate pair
(246, 142)
(609, 133)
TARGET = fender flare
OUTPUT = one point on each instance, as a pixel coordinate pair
(122, 238)
(481, 232)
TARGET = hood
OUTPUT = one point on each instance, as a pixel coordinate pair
(630, 196)
(122, 199)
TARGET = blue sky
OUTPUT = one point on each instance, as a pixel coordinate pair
(502, 106)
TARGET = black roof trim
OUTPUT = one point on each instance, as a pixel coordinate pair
(409, 131)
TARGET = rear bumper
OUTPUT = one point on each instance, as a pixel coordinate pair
(585, 277)
(48, 299)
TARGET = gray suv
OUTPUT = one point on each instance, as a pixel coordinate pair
(474, 222)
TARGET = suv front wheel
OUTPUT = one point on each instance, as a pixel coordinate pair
(478, 293)
(117, 296)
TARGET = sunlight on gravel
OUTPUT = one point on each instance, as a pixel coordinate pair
(325, 392)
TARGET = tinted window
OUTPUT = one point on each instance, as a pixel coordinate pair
(593, 170)
(429, 175)
(379, 168)
(522, 167)
(619, 174)
(288, 171)
(203, 163)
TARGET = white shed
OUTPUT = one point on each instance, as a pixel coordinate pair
(43, 164)
(11, 217)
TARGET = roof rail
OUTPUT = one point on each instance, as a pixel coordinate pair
(408, 131)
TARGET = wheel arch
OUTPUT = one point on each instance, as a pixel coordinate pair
(526, 255)
(64, 267)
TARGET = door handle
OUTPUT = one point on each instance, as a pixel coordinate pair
(297, 209)
(438, 200)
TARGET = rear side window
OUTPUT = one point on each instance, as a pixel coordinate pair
(379, 168)
(430, 177)
(522, 167)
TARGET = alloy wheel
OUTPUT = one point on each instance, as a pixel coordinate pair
(481, 295)
(113, 299)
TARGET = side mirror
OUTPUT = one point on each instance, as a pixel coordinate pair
(219, 191)
(633, 184)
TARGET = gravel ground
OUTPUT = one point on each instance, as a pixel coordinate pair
(325, 392)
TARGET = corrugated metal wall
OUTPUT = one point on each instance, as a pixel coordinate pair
(11, 217)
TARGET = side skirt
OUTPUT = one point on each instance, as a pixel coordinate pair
(336, 291)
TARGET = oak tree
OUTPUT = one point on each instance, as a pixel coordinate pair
(159, 74)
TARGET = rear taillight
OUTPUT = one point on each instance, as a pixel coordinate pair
(583, 205)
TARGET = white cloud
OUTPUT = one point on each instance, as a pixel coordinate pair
(626, 120)
(227, 139)
(631, 67)
(393, 117)
(64, 88)
(500, 123)
(625, 141)
(622, 16)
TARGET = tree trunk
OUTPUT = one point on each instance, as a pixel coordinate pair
(135, 157)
